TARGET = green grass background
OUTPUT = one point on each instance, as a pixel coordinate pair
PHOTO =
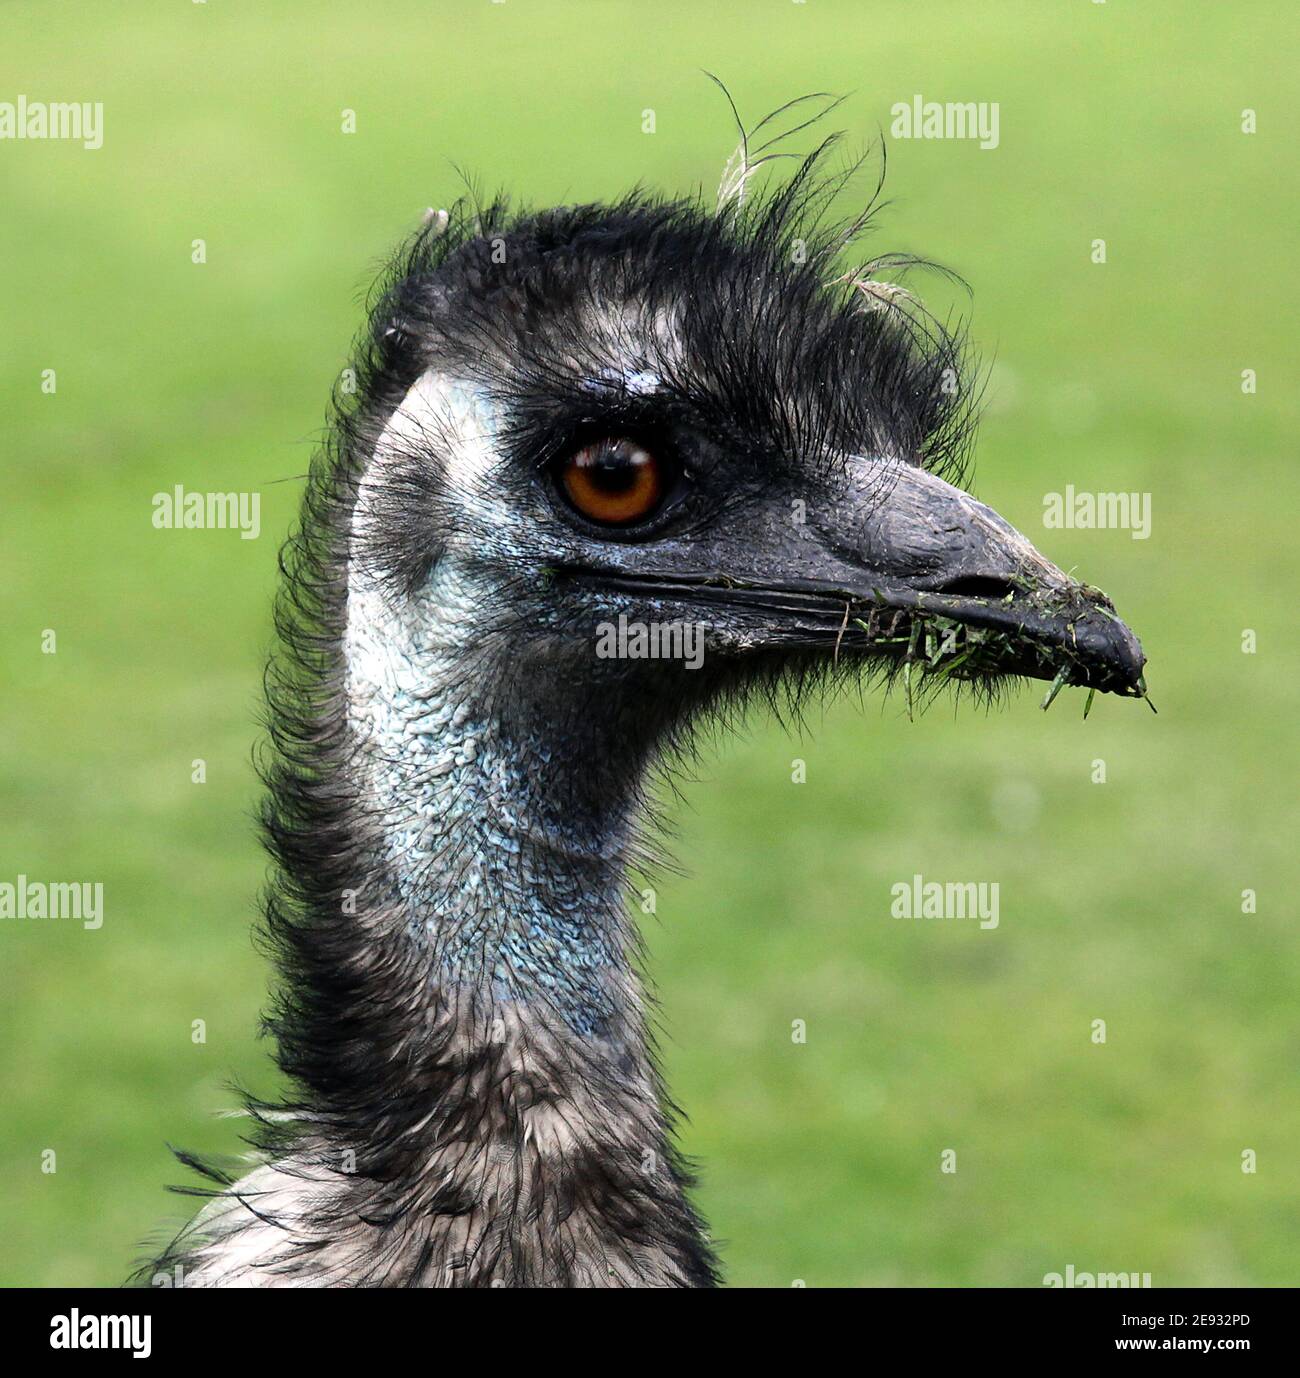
(1120, 901)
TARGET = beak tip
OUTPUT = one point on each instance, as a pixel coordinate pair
(1111, 654)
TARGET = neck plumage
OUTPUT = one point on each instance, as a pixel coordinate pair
(512, 888)
(463, 1010)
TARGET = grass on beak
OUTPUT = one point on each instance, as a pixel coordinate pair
(933, 649)
(1056, 689)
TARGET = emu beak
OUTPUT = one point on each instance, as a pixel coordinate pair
(917, 554)
(900, 564)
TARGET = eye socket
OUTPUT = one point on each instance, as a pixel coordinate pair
(614, 482)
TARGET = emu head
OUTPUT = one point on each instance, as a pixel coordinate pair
(648, 417)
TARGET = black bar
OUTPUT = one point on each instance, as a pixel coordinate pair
(975, 1324)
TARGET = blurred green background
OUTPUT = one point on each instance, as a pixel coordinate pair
(1119, 901)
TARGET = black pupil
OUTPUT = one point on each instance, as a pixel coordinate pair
(614, 470)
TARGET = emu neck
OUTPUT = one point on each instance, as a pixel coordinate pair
(524, 1136)
(513, 892)
(539, 1120)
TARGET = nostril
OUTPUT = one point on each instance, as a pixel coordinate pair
(978, 586)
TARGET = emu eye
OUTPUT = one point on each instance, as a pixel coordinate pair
(614, 482)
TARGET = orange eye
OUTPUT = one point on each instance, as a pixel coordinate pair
(614, 482)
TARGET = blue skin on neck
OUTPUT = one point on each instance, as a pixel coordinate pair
(517, 904)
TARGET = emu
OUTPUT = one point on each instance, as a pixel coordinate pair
(654, 411)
